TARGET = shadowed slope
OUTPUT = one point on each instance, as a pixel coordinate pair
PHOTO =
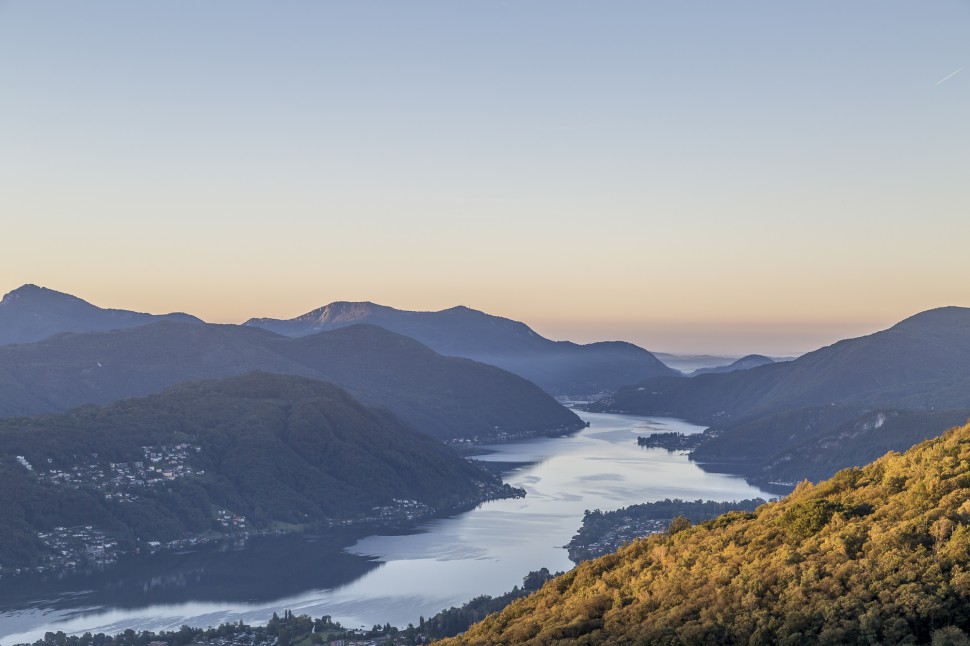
(443, 396)
(31, 313)
(271, 448)
(763, 415)
(560, 367)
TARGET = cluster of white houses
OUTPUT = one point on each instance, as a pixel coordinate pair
(121, 480)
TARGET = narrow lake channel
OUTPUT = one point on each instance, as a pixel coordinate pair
(367, 580)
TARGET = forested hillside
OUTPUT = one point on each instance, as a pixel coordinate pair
(877, 555)
(446, 397)
(252, 452)
(809, 417)
(559, 367)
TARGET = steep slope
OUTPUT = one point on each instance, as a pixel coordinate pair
(859, 441)
(744, 363)
(443, 396)
(269, 448)
(921, 364)
(560, 367)
(31, 313)
(449, 395)
(873, 555)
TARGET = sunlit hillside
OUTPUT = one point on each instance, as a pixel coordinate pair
(873, 555)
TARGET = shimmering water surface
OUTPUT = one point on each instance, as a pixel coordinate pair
(367, 580)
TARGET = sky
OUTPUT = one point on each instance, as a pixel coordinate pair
(690, 176)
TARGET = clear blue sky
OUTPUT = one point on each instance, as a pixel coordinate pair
(687, 175)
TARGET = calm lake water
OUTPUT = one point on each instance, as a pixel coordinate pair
(367, 580)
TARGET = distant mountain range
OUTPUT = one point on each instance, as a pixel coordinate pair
(764, 417)
(744, 363)
(559, 367)
(693, 364)
(31, 313)
(687, 363)
(447, 397)
(778, 421)
(265, 450)
(877, 555)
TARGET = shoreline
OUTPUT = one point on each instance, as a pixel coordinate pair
(401, 516)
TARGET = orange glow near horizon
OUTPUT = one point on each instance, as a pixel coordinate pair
(719, 336)
(737, 179)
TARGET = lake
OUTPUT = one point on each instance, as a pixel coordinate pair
(365, 580)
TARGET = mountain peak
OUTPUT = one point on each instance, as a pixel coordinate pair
(560, 367)
(342, 312)
(940, 317)
(28, 288)
(32, 313)
(34, 292)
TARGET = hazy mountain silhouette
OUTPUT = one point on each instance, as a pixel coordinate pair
(444, 396)
(688, 363)
(559, 367)
(744, 363)
(921, 364)
(31, 313)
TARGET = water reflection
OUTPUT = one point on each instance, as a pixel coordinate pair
(374, 579)
(262, 569)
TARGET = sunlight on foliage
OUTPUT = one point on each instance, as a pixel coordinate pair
(873, 555)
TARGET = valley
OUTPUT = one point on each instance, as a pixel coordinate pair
(212, 484)
(839, 406)
(415, 483)
(394, 577)
(873, 554)
(484, 323)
